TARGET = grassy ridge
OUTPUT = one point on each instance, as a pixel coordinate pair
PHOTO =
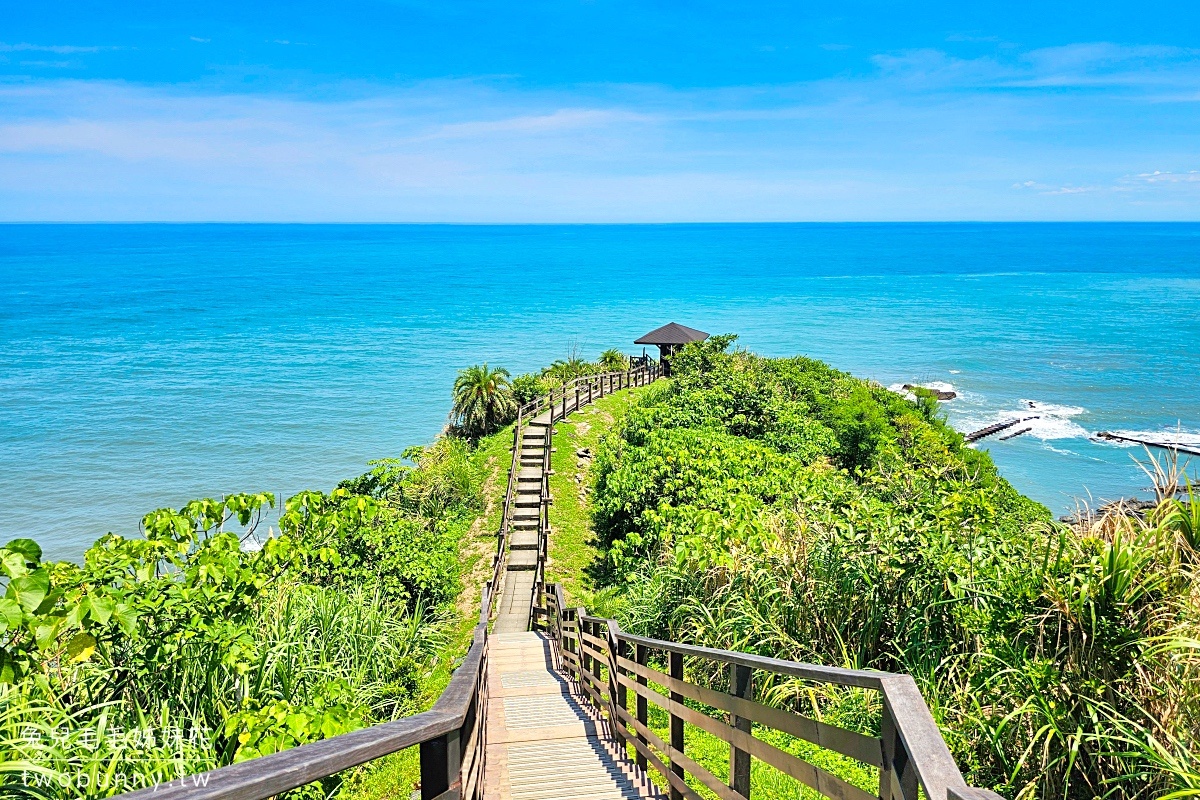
(572, 556)
(781, 507)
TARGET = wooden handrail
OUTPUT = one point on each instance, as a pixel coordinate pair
(634, 376)
(595, 652)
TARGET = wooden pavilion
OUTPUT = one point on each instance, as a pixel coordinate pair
(669, 338)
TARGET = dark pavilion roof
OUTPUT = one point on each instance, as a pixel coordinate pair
(672, 333)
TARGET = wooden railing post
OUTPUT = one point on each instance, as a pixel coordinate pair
(565, 643)
(558, 617)
(642, 712)
(585, 659)
(618, 650)
(740, 685)
(441, 759)
(577, 646)
(898, 777)
(676, 663)
(597, 664)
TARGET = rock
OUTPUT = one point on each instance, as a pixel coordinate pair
(583, 452)
(938, 393)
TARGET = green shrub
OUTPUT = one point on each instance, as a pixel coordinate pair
(527, 388)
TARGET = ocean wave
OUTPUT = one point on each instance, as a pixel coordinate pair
(1046, 421)
(1164, 436)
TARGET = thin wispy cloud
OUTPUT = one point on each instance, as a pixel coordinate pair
(1191, 176)
(1095, 65)
(51, 64)
(60, 49)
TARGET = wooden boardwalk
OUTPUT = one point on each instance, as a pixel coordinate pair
(543, 742)
(516, 598)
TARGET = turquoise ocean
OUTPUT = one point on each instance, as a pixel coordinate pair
(145, 365)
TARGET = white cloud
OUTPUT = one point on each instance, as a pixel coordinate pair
(1093, 64)
(60, 49)
(1073, 190)
(1191, 176)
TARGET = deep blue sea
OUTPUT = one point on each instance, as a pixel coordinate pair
(144, 365)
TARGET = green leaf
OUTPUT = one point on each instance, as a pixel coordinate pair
(12, 563)
(81, 647)
(10, 612)
(29, 590)
(44, 635)
(26, 547)
(48, 603)
(102, 608)
(126, 617)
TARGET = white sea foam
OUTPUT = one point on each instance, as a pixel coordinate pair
(955, 371)
(1049, 421)
(1167, 436)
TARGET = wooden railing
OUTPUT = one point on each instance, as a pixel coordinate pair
(578, 392)
(609, 667)
(452, 734)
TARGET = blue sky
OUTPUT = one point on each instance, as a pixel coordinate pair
(599, 111)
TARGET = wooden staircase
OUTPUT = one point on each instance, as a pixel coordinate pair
(544, 741)
(524, 525)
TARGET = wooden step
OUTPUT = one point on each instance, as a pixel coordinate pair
(523, 539)
(522, 560)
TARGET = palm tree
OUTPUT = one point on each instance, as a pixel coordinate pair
(613, 360)
(567, 369)
(483, 400)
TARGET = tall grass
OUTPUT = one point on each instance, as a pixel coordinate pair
(177, 723)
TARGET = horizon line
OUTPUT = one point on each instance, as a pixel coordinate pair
(415, 223)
